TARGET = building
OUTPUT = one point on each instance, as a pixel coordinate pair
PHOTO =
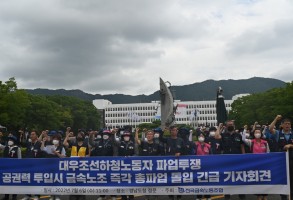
(188, 112)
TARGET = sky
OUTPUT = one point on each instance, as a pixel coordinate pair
(125, 46)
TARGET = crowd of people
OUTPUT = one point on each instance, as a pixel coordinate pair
(223, 139)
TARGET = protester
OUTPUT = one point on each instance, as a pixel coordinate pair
(231, 141)
(188, 145)
(126, 148)
(33, 150)
(284, 138)
(148, 147)
(79, 148)
(202, 148)
(158, 134)
(56, 150)
(216, 144)
(101, 146)
(270, 138)
(258, 145)
(174, 147)
(11, 150)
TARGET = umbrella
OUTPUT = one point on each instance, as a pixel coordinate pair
(220, 107)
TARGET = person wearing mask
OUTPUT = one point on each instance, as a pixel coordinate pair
(79, 148)
(216, 144)
(46, 140)
(158, 134)
(56, 150)
(258, 145)
(33, 150)
(284, 139)
(231, 143)
(201, 148)
(11, 150)
(126, 148)
(102, 145)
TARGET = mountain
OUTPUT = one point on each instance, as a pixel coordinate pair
(205, 90)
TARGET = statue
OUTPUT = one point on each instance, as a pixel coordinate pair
(168, 109)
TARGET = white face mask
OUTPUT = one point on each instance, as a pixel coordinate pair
(10, 143)
(29, 140)
(201, 139)
(126, 138)
(156, 135)
(257, 135)
(105, 137)
(55, 142)
(212, 133)
(99, 137)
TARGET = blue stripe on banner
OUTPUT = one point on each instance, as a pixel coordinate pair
(215, 173)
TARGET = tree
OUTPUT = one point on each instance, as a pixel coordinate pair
(18, 109)
(263, 107)
(13, 105)
(83, 113)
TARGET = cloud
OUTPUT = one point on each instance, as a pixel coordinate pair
(124, 47)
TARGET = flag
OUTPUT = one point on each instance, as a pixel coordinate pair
(181, 110)
(193, 114)
(220, 107)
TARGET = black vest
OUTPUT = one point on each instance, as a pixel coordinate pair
(174, 146)
(231, 143)
(34, 150)
(126, 148)
(188, 147)
(283, 142)
(103, 148)
(10, 152)
(216, 145)
(153, 149)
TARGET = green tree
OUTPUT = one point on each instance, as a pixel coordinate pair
(83, 113)
(263, 107)
(13, 105)
(18, 109)
(43, 114)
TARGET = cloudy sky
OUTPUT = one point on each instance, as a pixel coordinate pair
(124, 46)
